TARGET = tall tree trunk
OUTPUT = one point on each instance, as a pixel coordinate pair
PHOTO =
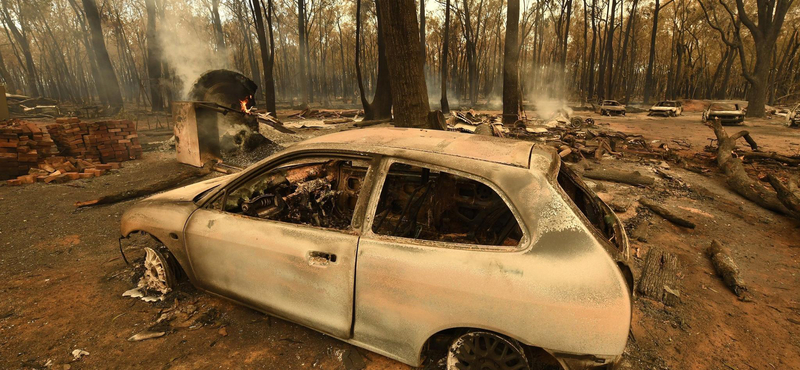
(401, 34)
(22, 40)
(445, 50)
(104, 66)
(302, 54)
(269, 66)
(422, 31)
(219, 36)
(648, 79)
(153, 58)
(511, 98)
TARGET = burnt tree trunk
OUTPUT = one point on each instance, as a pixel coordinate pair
(648, 79)
(301, 27)
(105, 69)
(401, 35)
(153, 58)
(511, 96)
(445, 50)
(659, 280)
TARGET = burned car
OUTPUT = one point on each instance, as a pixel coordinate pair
(610, 108)
(793, 117)
(727, 113)
(670, 108)
(405, 241)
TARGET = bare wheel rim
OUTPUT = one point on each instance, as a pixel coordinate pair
(485, 351)
(157, 274)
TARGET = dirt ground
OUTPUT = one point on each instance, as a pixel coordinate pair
(62, 277)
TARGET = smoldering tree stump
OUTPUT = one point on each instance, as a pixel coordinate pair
(726, 267)
(659, 280)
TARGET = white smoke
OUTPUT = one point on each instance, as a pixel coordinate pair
(188, 49)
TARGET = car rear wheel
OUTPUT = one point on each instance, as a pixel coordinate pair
(160, 270)
(480, 350)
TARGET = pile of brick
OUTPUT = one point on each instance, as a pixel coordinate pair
(58, 169)
(104, 141)
(22, 146)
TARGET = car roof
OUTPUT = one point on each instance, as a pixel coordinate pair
(477, 147)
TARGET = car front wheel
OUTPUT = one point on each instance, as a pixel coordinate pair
(160, 270)
(486, 351)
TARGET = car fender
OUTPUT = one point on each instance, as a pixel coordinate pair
(164, 220)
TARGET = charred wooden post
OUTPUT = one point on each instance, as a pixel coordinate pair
(659, 280)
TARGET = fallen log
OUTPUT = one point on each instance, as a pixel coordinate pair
(659, 280)
(794, 162)
(785, 195)
(726, 267)
(372, 122)
(337, 121)
(162, 185)
(631, 178)
(736, 177)
(666, 213)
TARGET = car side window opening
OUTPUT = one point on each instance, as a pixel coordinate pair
(422, 203)
(320, 193)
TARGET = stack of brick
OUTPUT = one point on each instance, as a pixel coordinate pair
(58, 169)
(106, 141)
(22, 146)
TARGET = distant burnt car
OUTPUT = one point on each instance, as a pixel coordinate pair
(670, 108)
(728, 113)
(610, 108)
(793, 117)
(405, 240)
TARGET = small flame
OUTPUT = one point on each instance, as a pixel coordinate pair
(244, 104)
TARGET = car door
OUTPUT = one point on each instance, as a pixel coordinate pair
(424, 228)
(300, 272)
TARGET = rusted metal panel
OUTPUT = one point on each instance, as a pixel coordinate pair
(196, 133)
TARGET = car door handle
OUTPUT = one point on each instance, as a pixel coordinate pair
(317, 258)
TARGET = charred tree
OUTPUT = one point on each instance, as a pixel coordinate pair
(770, 16)
(445, 50)
(401, 35)
(302, 56)
(381, 106)
(511, 93)
(22, 40)
(267, 53)
(105, 69)
(153, 58)
(219, 35)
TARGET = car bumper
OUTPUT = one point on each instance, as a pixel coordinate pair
(727, 119)
(661, 112)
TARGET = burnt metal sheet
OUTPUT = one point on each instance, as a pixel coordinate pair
(196, 133)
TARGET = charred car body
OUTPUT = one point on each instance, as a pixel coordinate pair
(727, 113)
(402, 240)
(793, 117)
(610, 108)
(669, 108)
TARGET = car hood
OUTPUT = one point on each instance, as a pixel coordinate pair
(726, 112)
(663, 108)
(189, 192)
(618, 107)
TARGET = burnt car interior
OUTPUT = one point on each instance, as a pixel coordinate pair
(576, 190)
(668, 104)
(427, 204)
(320, 193)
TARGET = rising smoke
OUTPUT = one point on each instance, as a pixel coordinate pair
(186, 47)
